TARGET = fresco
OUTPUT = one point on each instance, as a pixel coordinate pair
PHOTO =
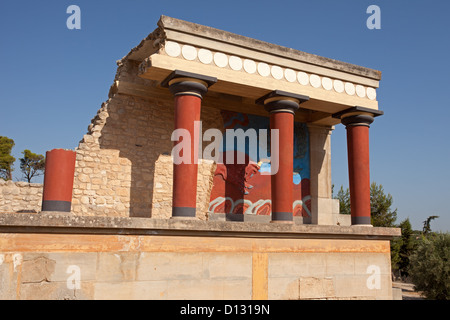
(242, 188)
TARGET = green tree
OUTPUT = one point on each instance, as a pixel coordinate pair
(344, 200)
(426, 224)
(6, 159)
(380, 204)
(430, 266)
(32, 164)
(407, 247)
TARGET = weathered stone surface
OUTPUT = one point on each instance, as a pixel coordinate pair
(37, 269)
(55, 222)
(20, 196)
(253, 44)
(68, 257)
(123, 166)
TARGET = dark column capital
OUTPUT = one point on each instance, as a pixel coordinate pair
(187, 83)
(357, 116)
(281, 101)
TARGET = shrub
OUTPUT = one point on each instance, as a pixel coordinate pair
(430, 267)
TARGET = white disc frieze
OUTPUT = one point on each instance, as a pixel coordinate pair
(350, 88)
(189, 52)
(172, 49)
(371, 93)
(263, 69)
(220, 59)
(303, 78)
(315, 81)
(327, 83)
(235, 63)
(360, 91)
(276, 72)
(290, 75)
(338, 86)
(205, 56)
(249, 66)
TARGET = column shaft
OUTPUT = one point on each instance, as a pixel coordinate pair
(282, 106)
(357, 121)
(359, 173)
(58, 180)
(282, 181)
(187, 111)
(188, 89)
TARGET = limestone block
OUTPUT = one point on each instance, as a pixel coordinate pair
(340, 264)
(130, 290)
(19, 196)
(116, 267)
(45, 291)
(228, 266)
(285, 265)
(8, 277)
(283, 289)
(324, 209)
(344, 219)
(206, 289)
(355, 286)
(67, 263)
(168, 266)
(316, 288)
(38, 269)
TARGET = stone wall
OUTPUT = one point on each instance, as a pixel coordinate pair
(20, 196)
(132, 258)
(124, 166)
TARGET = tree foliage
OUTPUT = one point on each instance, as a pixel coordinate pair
(343, 196)
(426, 224)
(6, 159)
(402, 248)
(430, 266)
(380, 204)
(32, 164)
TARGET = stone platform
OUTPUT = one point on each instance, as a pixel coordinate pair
(60, 256)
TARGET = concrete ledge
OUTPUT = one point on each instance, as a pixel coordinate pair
(251, 218)
(55, 222)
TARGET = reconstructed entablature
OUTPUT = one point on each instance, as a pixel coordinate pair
(250, 68)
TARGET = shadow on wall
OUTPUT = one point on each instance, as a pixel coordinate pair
(139, 178)
(140, 129)
(124, 166)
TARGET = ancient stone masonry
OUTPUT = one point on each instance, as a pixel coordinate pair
(142, 226)
(124, 163)
(20, 196)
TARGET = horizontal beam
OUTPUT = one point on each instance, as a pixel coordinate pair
(218, 100)
(253, 86)
(54, 222)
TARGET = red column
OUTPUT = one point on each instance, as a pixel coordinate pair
(58, 180)
(188, 89)
(187, 111)
(281, 182)
(359, 173)
(357, 121)
(282, 106)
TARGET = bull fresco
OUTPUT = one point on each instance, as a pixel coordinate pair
(240, 188)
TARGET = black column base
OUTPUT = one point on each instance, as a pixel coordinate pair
(56, 205)
(282, 217)
(185, 212)
(361, 220)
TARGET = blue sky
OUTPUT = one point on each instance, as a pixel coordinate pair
(55, 79)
